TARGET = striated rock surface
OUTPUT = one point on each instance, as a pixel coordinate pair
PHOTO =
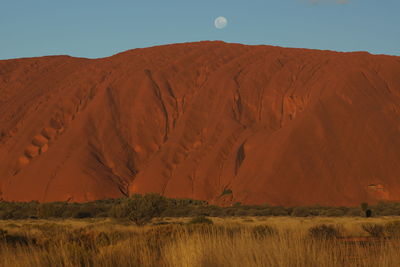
(266, 124)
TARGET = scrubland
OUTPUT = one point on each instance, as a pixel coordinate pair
(229, 241)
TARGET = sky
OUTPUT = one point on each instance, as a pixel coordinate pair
(101, 28)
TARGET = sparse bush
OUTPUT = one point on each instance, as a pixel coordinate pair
(353, 212)
(161, 223)
(3, 233)
(226, 191)
(142, 209)
(82, 215)
(262, 231)
(387, 212)
(364, 206)
(157, 234)
(237, 204)
(17, 210)
(14, 239)
(231, 231)
(200, 219)
(387, 209)
(301, 212)
(392, 229)
(256, 212)
(52, 228)
(216, 211)
(5, 215)
(334, 213)
(280, 211)
(116, 208)
(324, 232)
(374, 230)
(51, 210)
(241, 212)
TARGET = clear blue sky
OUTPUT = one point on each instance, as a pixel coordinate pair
(99, 28)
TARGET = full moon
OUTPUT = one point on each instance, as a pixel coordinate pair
(221, 22)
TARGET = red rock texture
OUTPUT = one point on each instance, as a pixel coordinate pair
(273, 125)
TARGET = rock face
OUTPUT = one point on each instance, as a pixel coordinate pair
(265, 124)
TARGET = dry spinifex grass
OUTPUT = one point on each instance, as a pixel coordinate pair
(228, 243)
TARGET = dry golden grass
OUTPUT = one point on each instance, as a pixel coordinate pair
(228, 242)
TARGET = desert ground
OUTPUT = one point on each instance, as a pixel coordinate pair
(234, 241)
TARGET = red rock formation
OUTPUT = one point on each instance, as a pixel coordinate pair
(273, 125)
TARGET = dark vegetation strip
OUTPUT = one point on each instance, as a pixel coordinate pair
(153, 205)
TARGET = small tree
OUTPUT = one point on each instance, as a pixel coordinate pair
(368, 213)
(324, 232)
(51, 210)
(364, 206)
(141, 209)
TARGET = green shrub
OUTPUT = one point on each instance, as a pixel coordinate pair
(324, 232)
(142, 209)
(226, 191)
